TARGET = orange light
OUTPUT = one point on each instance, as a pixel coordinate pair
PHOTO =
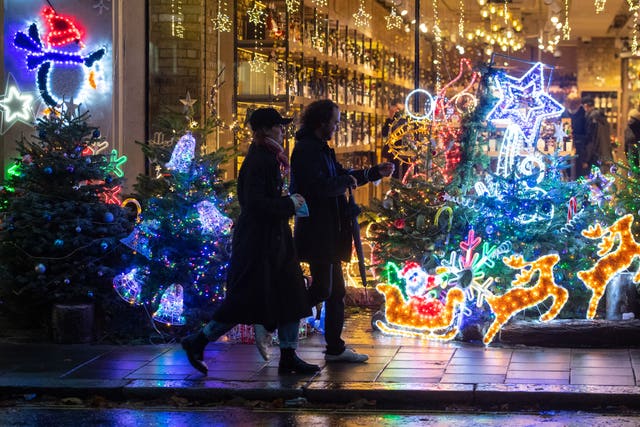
(612, 261)
(519, 298)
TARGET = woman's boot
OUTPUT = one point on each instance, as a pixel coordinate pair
(290, 363)
(194, 345)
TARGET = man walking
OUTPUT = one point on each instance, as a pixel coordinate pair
(323, 238)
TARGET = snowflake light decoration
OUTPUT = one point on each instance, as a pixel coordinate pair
(394, 21)
(361, 18)
(466, 270)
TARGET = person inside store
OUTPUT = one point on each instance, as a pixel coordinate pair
(632, 137)
(578, 117)
(265, 283)
(396, 111)
(324, 238)
(599, 151)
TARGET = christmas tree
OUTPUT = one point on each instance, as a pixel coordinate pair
(63, 218)
(181, 243)
(501, 223)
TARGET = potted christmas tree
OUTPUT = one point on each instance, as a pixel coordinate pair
(63, 221)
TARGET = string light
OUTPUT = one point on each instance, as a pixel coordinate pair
(171, 306)
(437, 33)
(257, 14)
(611, 261)
(177, 18)
(519, 298)
(258, 64)
(320, 3)
(401, 314)
(461, 19)
(293, 5)
(566, 29)
(634, 5)
(394, 21)
(524, 102)
(222, 21)
(361, 18)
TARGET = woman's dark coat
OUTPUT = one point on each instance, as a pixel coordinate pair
(265, 284)
(325, 235)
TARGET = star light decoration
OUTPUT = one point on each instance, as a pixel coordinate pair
(221, 22)
(361, 18)
(256, 14)
(394, 21)
(16, 105)
(320, 3)
(524, 102)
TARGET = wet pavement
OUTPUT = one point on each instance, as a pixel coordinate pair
(400, 373)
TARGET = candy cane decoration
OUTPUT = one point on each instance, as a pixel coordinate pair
(573, 207)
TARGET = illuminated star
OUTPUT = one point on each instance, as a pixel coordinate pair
(16, 106)
(115, 162)
(255, 14)
(361, 18)
(110, 195)
(525, 102)
(188, 103)
(222, 22)
(393, 20)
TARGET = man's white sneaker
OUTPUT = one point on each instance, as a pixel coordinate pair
(347, 355)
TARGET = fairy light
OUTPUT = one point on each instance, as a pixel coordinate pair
(361, 18)
(461, 19)
(519, 298)
(611, 261)
(177, 18)
(599, 5)
(258, 64)
(222, 21)
(437, 32)
(293, 6)
(566, 29)
(633, 7)
(171, 306)
(402, 313)
(62, 30)
(257, 14)
(393, 20)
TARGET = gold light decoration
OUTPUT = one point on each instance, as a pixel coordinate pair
(177, 19)
(634, 5)
(437, 33)
(599, 4)
(293, 6)
(566, 29)
(611, 261)
(361, 18)
(519, 298)
(257, 14)
(461, 19)
(258, 64)
(394, 21)
(320, 3)
(402, 318)
(222, 21)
